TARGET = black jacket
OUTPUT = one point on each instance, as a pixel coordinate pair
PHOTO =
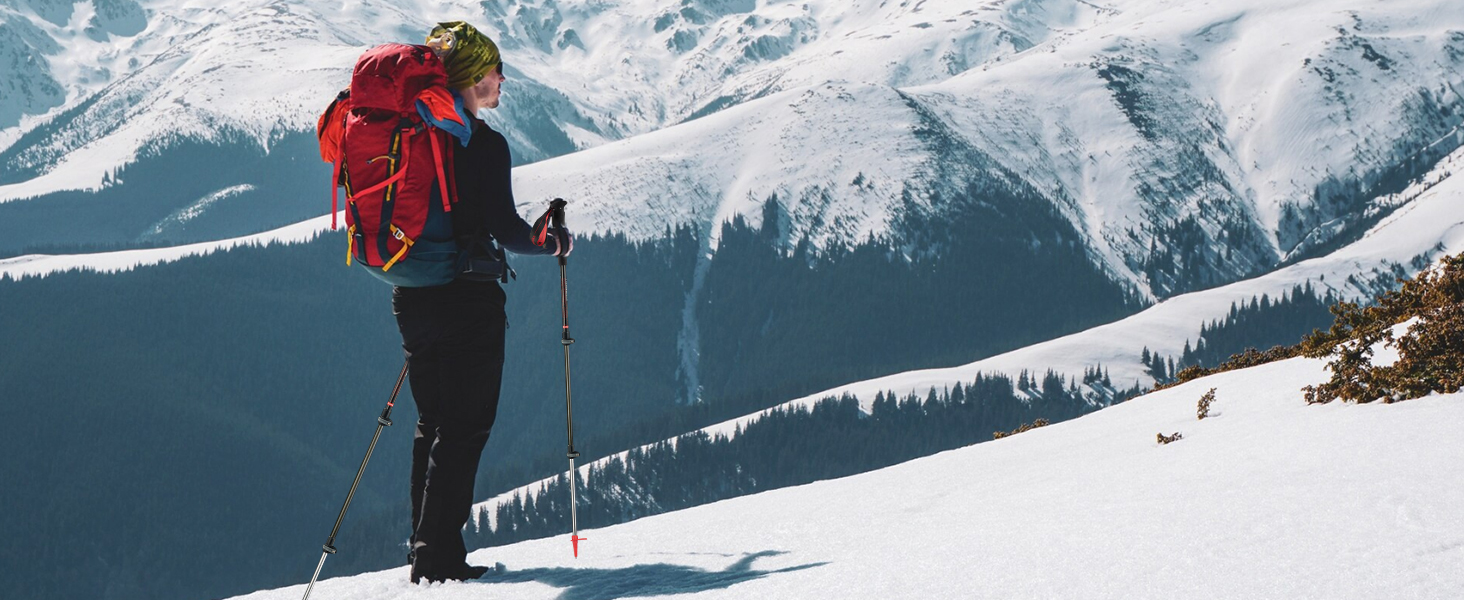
(485, 194)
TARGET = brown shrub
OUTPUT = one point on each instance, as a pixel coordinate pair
(1165, 439)
(1431, 351)
(996, 435)
(1249, 358)
(1205, 401)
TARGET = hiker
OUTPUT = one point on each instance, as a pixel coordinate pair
(453, 333)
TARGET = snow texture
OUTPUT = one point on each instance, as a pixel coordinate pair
(1268, 498)
(1233, 135)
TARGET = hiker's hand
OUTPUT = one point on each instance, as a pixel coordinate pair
(564, 242)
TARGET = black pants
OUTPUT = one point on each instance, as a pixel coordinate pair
(453, 338)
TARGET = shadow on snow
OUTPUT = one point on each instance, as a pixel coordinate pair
(643, 580)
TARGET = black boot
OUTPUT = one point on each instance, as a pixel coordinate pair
(463, 572)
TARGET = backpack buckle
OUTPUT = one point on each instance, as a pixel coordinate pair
(397, 233)
(408, 124)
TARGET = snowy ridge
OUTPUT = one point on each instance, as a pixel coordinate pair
(1267, 498)
(192, 211)
(683, 208)
(1136, 129)
(706, 172)
(1210, 139)
(1279, 104)
(1431, 225)
(594, 72)
(41, 265)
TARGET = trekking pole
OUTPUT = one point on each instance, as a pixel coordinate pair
(556, 217)
(382, 421)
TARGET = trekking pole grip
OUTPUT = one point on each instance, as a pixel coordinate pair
(556, 211)
(556, 220)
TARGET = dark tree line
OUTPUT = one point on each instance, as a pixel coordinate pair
(950, 288)
(793, 446)
(1259, 324)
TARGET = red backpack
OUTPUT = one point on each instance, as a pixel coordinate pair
(389, 159)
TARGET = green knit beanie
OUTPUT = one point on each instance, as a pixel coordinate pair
(467, 53)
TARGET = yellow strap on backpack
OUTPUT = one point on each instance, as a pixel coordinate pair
(350, 244)
(406, 245)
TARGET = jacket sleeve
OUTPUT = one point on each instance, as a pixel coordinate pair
(503, 221)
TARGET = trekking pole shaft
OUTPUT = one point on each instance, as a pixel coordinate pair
(381, 422)
(566, 341)
(573, 520)
(316, 575)
(568, 398)
(352, 494)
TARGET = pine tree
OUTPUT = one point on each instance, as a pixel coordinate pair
(958, 395)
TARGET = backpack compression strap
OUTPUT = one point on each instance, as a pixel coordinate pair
(406, 245)
(406, 162)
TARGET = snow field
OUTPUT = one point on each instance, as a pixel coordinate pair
(1268, 498)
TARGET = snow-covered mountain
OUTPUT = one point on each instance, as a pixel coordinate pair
(586, 71)
(1267, 498)
(1429, 226)
(1189, 143)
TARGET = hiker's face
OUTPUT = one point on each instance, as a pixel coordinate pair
(485, 93)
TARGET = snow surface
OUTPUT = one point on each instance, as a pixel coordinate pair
(1268, 498)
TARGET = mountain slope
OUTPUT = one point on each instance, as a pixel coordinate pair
(245, 82)
(1430, 225)
(1269, 498)
(1189, 144)
(1178, 173)
(580, 72)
